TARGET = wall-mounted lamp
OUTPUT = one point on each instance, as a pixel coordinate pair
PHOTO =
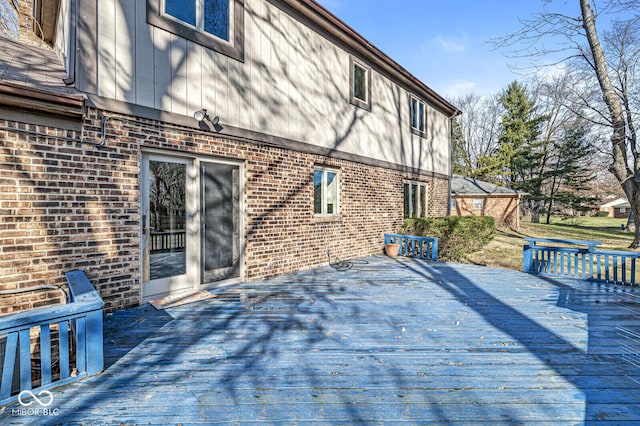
(202, 115)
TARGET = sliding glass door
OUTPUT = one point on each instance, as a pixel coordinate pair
(190, 224)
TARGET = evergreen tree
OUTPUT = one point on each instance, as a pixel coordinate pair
(521, 157)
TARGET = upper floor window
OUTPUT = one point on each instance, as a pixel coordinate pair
(208, 16)
(216, 24)
(325, 191)
(360, 76)
(418, 115)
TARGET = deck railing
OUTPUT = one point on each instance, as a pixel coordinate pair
(170, 240)
(583, 262)
(69, 338)
(413, 246)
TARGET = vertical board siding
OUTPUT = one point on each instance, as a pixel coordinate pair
(293, 83)
(195, 78)
(125, 51)
(107, 68)
(178, 84)
(162, 69)
(144, 72)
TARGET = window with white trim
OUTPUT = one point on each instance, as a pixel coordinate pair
(416, 195)
(360, 76)
(418, 113)
(478, 204)
(326, 191)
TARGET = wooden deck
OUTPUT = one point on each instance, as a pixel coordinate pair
(392, 340)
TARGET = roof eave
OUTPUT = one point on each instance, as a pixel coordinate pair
(21, 96)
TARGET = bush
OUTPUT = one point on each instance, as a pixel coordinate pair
(602, 214)
(458, 236)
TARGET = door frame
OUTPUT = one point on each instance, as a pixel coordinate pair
(193, 226)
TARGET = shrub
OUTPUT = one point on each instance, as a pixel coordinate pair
(602, 214)
(458, 236)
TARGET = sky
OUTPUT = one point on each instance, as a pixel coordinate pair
(445, 43)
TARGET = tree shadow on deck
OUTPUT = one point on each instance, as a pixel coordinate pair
(599, 372)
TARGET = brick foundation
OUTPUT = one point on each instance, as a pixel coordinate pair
(65, 206)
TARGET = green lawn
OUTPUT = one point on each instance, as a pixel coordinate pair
(505, 251)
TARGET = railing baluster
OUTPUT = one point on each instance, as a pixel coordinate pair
(81, 345)
(8, 365)
(45, 354)
(64, 349)
(25, 358)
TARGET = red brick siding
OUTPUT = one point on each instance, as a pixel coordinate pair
(69, 206)
(503, 209)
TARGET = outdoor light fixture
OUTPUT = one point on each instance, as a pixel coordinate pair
(202, 115)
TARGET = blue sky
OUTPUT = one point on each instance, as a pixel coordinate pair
(444, 43)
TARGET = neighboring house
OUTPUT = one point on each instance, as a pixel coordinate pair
(618, 207)
(165, 147)
(472, 197)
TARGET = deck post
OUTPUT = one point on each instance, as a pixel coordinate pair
(527, 260)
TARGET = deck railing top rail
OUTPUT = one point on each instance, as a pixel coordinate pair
(534, 242)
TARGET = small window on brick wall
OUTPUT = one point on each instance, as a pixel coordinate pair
(415, 199)
(478, 204)
(326, 191)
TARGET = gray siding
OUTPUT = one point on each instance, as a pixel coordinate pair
(293, 83)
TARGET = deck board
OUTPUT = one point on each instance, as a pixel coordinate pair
(392, 340)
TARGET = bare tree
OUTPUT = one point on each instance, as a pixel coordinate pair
(576, 38)
(477, 138)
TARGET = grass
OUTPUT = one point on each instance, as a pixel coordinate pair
(505, 251)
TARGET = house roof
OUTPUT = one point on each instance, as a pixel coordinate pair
(461, 185)
(33, 77)
(618, 202)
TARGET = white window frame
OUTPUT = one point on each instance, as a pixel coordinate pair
(362, 103)
(366, 80)
(418, 102)
(422, 188)
(478, 204)
(199, 27)
(323, 192)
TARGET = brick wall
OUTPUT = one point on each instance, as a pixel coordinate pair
(503, 209)
(69, 206)
(27, 26)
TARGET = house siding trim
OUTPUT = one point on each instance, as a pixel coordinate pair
(125, 108)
